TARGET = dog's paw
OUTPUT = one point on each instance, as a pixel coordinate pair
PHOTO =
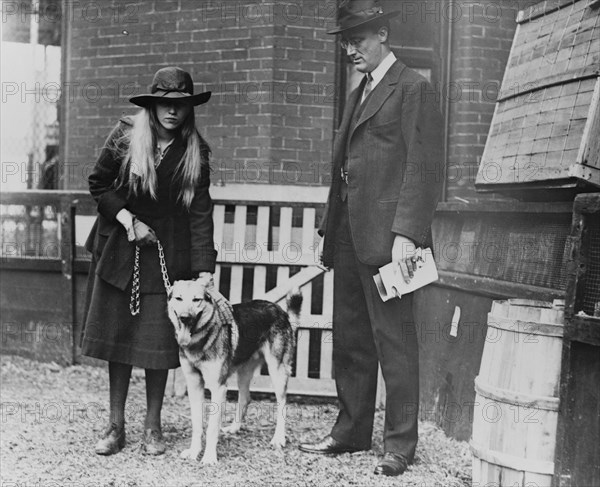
(189, 454)
(278, 442)
(232, 429)
(209, 459)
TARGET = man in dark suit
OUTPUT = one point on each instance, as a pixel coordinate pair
(387, 178)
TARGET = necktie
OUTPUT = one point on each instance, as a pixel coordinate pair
(368, 87)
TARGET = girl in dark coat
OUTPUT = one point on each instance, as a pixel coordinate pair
(151, 184)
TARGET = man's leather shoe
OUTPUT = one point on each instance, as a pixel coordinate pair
(392, 465)
(153, 442)
(112, 442)
(327, 446)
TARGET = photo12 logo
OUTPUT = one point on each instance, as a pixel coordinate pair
(53, 92)
(56, 12)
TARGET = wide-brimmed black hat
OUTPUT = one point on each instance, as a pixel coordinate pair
(354, 13)
(173, 83)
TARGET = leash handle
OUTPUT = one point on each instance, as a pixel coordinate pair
(134, 302)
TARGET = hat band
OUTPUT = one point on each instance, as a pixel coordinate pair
(167, 91)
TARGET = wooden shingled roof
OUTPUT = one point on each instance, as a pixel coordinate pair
(545, 132)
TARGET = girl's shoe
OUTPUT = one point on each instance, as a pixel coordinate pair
(112, 442)
(153, 442)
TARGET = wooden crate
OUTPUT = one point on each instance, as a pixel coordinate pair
(578, 450)
(544, 133)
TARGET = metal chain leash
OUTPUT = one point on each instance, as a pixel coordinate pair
(134, 303)
(163, 268)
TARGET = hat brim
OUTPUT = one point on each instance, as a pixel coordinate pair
(344, 28)
(149, 99)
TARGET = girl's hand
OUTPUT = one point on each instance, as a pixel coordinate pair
(207, 279)
(144, 235)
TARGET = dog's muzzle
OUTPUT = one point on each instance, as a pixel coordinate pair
(188, 320)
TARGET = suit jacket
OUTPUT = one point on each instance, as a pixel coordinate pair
(395, 167)
(185, 234)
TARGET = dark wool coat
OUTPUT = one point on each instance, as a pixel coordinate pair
(395, 167)
(185, 234)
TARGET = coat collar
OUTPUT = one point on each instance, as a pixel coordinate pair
(172, 157)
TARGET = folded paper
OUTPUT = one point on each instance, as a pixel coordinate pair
(390, 282)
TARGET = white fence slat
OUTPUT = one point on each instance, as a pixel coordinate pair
(239, 230)
(308, 231)
(306, 291)
(260, 281)
(237, 278)
(285, 228)
(302, 350)
(262, 229)
(297, 280)
(219, 222)
(283, 275)
(326, 354)
(328, 293)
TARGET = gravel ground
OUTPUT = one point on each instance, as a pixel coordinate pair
(52, 417)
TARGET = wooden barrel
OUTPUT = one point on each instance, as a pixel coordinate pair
(517, 391)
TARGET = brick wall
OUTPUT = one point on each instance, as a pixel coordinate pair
(269, 64)
(482, 38)
(271, 68)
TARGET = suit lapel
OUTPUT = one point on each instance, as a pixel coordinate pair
(341, 139)
(380, 93)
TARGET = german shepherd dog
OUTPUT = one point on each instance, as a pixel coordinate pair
(217, 339)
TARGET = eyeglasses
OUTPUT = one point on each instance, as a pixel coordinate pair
(355, 42)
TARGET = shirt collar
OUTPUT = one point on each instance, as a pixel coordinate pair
(160, 154)
(379, 72)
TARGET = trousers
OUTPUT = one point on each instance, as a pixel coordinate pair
(368, 332)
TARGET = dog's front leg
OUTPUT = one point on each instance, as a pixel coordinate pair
(218, 393)
(195, 386)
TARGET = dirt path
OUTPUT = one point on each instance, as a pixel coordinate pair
(52, 416)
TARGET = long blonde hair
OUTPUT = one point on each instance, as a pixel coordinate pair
(136, 147)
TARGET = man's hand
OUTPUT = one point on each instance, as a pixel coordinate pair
(320, 255)
(404, 257)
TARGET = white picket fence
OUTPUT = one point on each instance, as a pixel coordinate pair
(265, 250)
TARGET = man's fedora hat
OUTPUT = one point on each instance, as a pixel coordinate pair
(354, 13)
(172, 83)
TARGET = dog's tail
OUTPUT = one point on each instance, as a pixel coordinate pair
(294, 305)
